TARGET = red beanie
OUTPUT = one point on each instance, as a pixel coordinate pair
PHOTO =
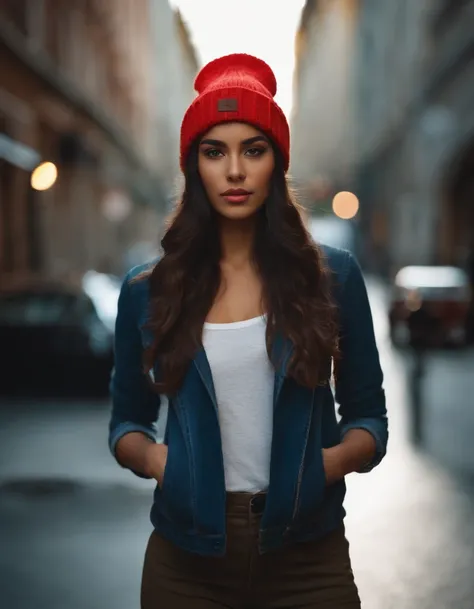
(236, 87)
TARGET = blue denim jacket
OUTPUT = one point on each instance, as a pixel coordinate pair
(189, 509)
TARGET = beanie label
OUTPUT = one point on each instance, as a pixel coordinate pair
(227, 104)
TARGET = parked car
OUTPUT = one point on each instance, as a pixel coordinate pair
(58, 335)
(429, 307)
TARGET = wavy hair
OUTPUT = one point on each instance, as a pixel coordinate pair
(185, 281)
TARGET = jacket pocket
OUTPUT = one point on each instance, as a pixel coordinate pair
(312, 491)
(312, 481)
(164, 475)
(174, 497)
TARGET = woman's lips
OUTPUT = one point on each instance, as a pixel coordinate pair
(237, 198)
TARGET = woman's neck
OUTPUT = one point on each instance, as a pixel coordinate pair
(237, 239)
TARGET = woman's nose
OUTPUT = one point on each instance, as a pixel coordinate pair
(235, 168)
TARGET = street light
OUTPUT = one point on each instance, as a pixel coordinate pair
(345, 205)
(44, 176)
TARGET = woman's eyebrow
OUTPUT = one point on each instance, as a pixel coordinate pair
(256, 138)
(213, 142)
(247, 142)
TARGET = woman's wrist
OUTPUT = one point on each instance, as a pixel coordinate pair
(357, 448)
(333, 464)
(154, 460)
(351, 455)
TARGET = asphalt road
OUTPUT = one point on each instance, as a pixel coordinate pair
(73, 525)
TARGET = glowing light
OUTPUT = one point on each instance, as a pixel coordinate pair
(44, 176)
(116, 206)
(345, 205)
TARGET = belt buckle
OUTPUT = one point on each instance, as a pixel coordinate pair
(257, 503)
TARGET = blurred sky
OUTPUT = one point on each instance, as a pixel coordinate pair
(265, 28)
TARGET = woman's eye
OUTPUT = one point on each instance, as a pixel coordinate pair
(212, 153)
(255, 151)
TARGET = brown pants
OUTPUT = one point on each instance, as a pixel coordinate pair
(308, 575)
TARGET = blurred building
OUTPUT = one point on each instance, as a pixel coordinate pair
(78, 89)
(322, 121)
(415, 91)
(411, 95)
(174, 69)
(174, 85)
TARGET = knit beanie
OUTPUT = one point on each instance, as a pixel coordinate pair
(237, 87)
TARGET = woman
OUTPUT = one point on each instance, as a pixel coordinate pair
(238, 324)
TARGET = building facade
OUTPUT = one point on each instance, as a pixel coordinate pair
(175, 73)
(415, 118)
(322, 120)
(77, 88)
(412, 113)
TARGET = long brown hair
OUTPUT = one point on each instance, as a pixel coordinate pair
(186, 279)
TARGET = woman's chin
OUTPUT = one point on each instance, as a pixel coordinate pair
(237, 212)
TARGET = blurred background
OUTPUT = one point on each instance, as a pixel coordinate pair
(380, 96)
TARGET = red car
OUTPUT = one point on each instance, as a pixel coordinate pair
(434, 300)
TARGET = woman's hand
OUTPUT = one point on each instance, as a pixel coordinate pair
(333, 464)
(155, 461)
(356, 450)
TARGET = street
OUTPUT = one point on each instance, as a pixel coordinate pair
(73, 525)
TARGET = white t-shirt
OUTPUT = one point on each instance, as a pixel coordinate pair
(243, 380)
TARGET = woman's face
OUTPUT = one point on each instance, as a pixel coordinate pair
(235, 163)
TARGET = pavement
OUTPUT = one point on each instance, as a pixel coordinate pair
(74, 525)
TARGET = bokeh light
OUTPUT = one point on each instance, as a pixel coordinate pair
(44, 176)
(345, 205)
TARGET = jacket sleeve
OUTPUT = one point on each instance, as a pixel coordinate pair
(134, 404)
(359, 379)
